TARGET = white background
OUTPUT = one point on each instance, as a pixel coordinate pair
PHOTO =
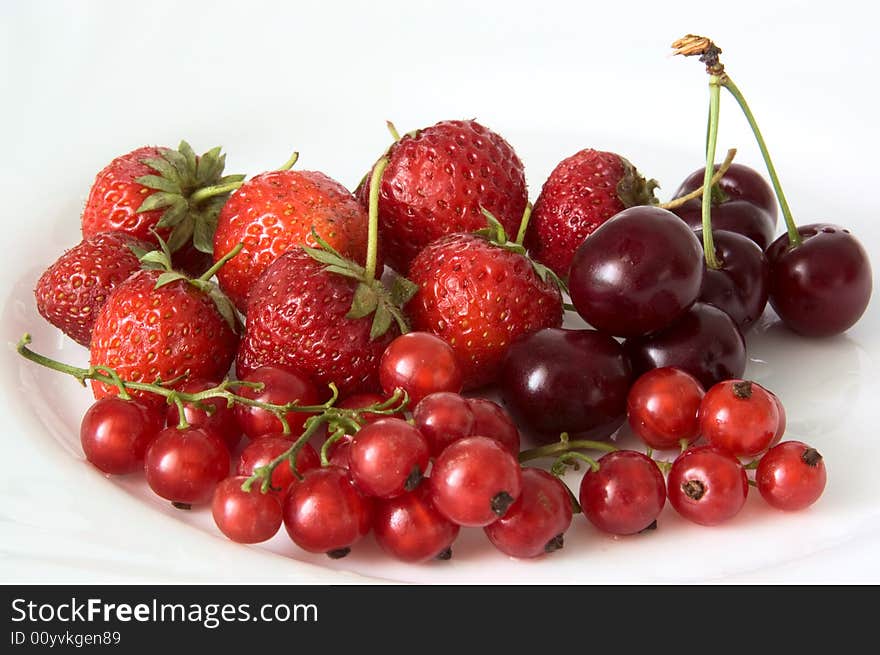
(82, 82)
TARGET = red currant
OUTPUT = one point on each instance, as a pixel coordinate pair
(411, 529)
(625, 495)
(420, 364)
(115, 434)
(220, 420)
(663, 407)
(739, 416)
(707, 485)
(535, 523)
(281, 387)
(791, 476)
(325, 513)
(490, 420)
(262, 451)
(387, 458)
(442, 418)
(184, 466)
(780, 430)
(475, 481)
(247, 517)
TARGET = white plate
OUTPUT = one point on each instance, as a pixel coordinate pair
(234, 84)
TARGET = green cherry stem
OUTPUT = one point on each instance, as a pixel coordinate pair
(373, 229)
(286, 166)
(393, 130)
(698, 192)
(793, 236)
(712, 142)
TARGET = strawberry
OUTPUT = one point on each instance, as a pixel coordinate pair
(73, 289)
(160, 325)
(275, 211)
(173, 193)
(436, 182)
(582, 192)
(480, 295)
(304, 317)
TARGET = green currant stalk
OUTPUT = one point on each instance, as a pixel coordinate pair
(564, 445)
(108, 376)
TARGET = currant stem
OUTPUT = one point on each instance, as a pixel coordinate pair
(373, 229)
(712, 141)
(698, 192)
(793, 236)
(207, 275)
(325, 449)
(564, 446)
(524, 224)
(572, 455)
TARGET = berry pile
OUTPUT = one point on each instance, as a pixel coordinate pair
(302, 304)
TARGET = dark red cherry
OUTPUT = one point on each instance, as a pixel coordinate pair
(636, 273)
(741, 286)
(738, 183)
(574, 381)
(705, 342)
(821, 287)
(734, 216)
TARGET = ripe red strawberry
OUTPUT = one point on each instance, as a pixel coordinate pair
(582, 192)
(73, 289)
(304, 317)
(160, 325)
(275, 211)
(155, 188)
(436, 182)
(480, 296)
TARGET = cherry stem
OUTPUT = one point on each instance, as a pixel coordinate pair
(564, 446)
(712, 141)
(207, 275)
(524, 224)
(698, 192)
(373, 228)
(793, 236)
(107, 375)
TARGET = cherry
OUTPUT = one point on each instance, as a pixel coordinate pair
(220, 420)
(281, 386)
(705, 342)
(419, 363)
(475, 481)
(535, 523)
(663, 407)
(740, 417)
(387, 458)
(115, 433)
(325, 513)
(822, 286)
(625, 495)
(184, 466)
(411, 529)
(637, 272)
(738, 183)
(442, 418)
(246, 517)
(490, 420)
(707, 485)
(737, 216)
(361, 400)
(742, 284)
(558, 380)
(262, 451)
(791, 476)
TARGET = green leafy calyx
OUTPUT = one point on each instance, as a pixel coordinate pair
(192, 190)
